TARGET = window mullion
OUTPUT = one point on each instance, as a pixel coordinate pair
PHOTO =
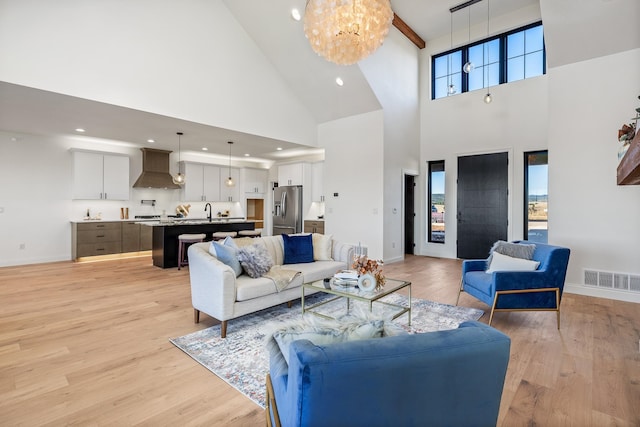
(503, 60)
(465, 76)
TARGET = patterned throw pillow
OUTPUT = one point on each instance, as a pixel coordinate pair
(255, 260)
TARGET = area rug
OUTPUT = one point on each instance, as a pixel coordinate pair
(241, 359)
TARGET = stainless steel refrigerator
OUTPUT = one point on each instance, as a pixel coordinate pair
(287, 209)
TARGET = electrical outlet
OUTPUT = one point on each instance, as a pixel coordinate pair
(393, 245)
(23, 246)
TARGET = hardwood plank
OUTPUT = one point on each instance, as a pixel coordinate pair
(88, 344)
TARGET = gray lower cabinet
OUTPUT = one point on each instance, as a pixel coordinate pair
(109, 237)
(146, 237)
(92, 239)
(130, 237)
(314, 227)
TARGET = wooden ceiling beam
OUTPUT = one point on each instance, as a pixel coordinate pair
(408, 32)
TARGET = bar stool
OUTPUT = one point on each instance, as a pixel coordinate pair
(183, 241)
(221, 235)
(249, 233)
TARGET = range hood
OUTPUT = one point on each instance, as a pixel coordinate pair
(155, 170)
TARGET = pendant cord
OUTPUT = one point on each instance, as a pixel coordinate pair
(488, 53)
(230, 159)
(469, 15)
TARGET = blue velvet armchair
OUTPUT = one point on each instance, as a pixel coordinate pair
(452, 378)
(519, 290)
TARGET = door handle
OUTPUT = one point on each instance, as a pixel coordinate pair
(284, 205)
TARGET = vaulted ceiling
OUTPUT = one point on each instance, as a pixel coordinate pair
(575, 30)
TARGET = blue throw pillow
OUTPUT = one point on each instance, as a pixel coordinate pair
(297, 249)
(227, 252)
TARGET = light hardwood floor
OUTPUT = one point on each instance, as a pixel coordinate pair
(88, 344)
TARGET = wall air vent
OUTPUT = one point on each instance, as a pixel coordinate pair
(612, 280)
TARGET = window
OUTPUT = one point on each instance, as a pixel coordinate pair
(525, 54)
(486, 59)
(512, 56)
(535, 192)
(448, 73)
(435, 224)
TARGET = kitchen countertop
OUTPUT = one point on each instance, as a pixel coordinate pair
(170, 221)
(194, 221)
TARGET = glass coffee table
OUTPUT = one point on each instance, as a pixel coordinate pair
(352, 292)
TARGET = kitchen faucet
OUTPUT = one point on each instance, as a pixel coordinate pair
(208, 205)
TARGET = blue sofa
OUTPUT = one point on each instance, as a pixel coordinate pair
(444, 378)
(519, 290)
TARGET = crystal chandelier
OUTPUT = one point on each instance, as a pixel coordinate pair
(346, 31)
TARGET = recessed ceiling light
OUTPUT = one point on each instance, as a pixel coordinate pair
(79, 130)
(279, 148)
(295, 14)
(339, 81)
(151, 141)
(247, 154)
(205, 149)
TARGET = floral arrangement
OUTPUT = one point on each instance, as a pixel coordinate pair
(364, 265)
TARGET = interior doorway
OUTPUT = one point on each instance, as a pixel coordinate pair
(483, 210)
(409, 214)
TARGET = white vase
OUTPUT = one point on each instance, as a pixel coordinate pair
(366, 282)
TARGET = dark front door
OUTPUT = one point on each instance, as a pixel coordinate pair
(409, 213)
(482, 203)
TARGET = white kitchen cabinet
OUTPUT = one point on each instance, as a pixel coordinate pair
(202, 182)
(229, 194)
(317, 176)
(254, 181)
(99, 176)
(294, 174)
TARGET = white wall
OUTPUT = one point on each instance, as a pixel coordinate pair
(188, 59)
(599, 220)
(354, 151)
(393, 74)
(461, 125)
(515, 122)
(574, 111)
(35, 199)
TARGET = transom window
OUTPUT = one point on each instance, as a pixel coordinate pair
(508, 57)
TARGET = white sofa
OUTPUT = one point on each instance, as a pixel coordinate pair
(216, 291)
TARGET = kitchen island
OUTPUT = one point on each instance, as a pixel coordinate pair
(165, 235)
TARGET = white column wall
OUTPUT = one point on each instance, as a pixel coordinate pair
(354, 159)
(393, 74)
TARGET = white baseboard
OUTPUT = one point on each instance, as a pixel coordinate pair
(602, 293)
(394, 259)
(36, 260)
